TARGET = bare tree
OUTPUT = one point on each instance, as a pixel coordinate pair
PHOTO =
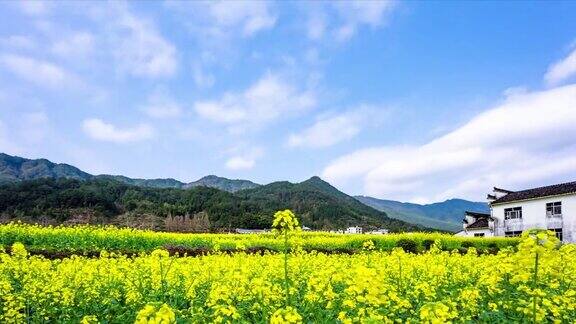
(198, 223)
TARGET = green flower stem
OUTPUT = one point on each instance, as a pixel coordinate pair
(534, 286)
(286, 287)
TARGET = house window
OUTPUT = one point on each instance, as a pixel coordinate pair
(512, 233)
(558, 232)
(513, 213)
(554, 209)
(478, 234)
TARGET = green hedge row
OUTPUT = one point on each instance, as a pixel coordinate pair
(97, 238)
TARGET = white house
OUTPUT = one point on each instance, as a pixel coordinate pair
(353, 230)
(512, 212)
(477, 224)
(380, 231)
(250, 231)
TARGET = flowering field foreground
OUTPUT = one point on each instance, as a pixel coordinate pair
(535, 284)
(95, 239)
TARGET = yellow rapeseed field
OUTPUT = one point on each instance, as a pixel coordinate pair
(535, 283)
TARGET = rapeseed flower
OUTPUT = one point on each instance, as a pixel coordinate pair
(437, 286)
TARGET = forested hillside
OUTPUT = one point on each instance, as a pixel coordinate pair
(109, 201)
(15, 168)
(321, 205)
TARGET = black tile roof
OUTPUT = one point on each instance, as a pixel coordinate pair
(475, 214)
(553, 190)
(479, 223)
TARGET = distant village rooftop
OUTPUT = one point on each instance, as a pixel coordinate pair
(553, 190)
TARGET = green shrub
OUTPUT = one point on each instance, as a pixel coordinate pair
(468, 244)
(427, 244)
(97, 238)
(408, 245)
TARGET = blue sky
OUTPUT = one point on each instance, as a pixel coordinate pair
(415, 101)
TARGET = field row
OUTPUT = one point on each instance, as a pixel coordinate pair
(534, 284)
(95, 239)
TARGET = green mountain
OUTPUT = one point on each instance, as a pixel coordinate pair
(321, 206)
(14, 168)
(63, 193)
(230, 185)
(108, 201)
(152, 183)
(445, 215)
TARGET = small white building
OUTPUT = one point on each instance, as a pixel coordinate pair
(477, 224)
(380, 231)
(353, 230)
(512, 212)
(250, 231)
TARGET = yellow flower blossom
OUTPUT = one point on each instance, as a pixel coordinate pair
(437, 286)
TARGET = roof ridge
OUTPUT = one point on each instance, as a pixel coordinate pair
(548, 186)
(538, 192)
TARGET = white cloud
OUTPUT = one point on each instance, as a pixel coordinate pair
(162, 105)
(252, 16)
(265, 101)
(18, 42)
(371, 13)
(344, 32)
(331, 130)
(202, 79)
(317, 24)
(244, 159)
(240, 163)
(561, 70)
(34, 8)
(219, 28)
(221, 19)
(138, 46)
(40, 72)
(525, 140)
(343, 18)
(100, 130)
(77, 45)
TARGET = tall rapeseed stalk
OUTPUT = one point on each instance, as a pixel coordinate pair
(285, 224)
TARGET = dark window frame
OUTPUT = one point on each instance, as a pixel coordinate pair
(554, 209)
(513, 213)
(512, 233)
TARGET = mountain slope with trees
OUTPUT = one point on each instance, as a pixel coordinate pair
(108, 201)
(14, 168)
(321, 206)
(230, 185)
(445, 215)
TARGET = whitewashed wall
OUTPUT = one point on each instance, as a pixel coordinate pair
(534, 214)
(470, 233)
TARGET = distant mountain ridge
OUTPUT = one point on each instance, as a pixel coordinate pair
(230, 185)
(14, 168)
(108, 201)
(151, 183)
(446, 215)
(316, 202)
(319, 203)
